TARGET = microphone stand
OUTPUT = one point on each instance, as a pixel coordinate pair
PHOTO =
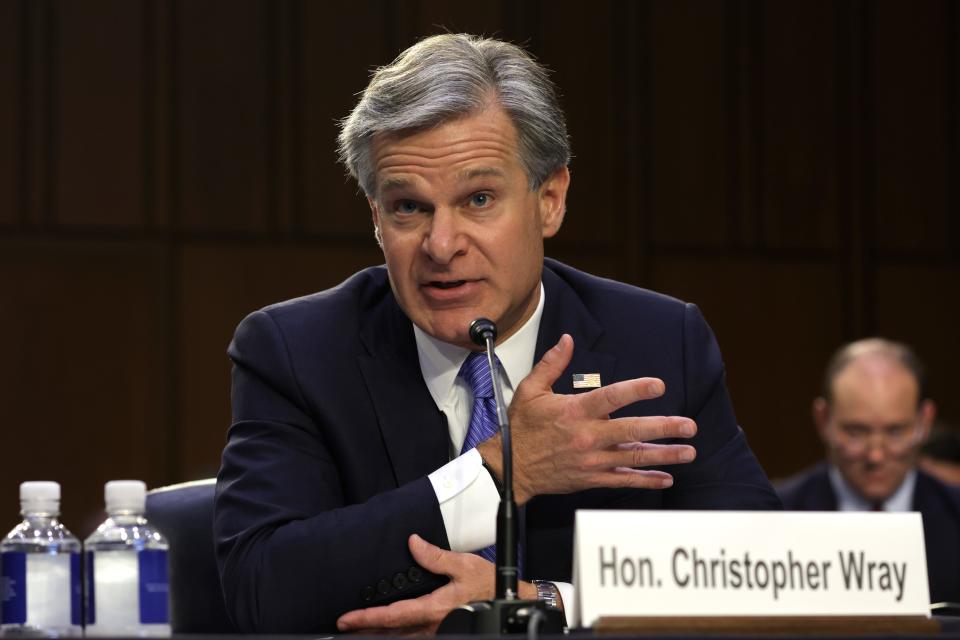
(506, 613)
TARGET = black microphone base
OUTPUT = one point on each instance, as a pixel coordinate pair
(502, 617)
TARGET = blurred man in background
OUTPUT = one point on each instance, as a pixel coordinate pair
(873, 417)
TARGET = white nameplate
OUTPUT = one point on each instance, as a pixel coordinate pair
(767, 563)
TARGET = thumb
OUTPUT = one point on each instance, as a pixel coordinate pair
(551, 365)
(429, 556)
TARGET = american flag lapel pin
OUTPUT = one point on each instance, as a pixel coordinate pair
(586, 380)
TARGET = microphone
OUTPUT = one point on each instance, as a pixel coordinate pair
(483, 332)
(505, 613)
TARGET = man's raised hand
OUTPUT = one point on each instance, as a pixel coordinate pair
(566, 443)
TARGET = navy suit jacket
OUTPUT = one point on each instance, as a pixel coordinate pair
(938, 504)
(324, 475)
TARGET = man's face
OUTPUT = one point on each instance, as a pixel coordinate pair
(461, 231)
(875, 426)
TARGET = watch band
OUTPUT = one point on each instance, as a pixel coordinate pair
(548, 593)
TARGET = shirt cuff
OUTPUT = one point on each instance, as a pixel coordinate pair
(468, 501)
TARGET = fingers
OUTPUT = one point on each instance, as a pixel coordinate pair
(632, 456)
(625, 477)
(403, 613)
(642, 429)
(400, 614)
(471, 578)
(551, 365)
(644, 454)
(621, 442)
(429, 556)
(605, 400)
(452, 564)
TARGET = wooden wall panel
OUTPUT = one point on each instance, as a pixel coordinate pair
(910, 140)
(99, 59)
(606, 264)
(584, 73)
(798, 137)
(776, 325)
(82, 381)
(953, 129)
(332, 203)
(690, 161)
(429, 17)
(221, 285)
(35, 135)
(221, 123)
(919, 305)
(789, 166)
(952, 26)
(10, 44)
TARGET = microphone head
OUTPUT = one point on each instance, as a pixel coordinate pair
(480, 329)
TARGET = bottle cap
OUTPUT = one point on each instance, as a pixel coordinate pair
(41, 496)
(125, 495)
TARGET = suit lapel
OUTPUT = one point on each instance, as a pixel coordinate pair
(414, 430)
(564, 312)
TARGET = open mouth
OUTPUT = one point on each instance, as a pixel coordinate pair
(447, 284)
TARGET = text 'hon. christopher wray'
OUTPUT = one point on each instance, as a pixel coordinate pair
(690, 568)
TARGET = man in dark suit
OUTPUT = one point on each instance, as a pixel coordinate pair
(873, 417)
(351, 494)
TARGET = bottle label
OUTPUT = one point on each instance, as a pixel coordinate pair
(40, 588)
(13, 587)
(126, 588)
(154, 587)
(76, 590)
(91, 592)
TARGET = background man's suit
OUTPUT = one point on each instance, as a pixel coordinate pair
(938, 504)
(334, 434)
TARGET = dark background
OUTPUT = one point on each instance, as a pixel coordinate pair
(168, 167)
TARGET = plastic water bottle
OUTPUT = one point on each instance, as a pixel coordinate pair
(128, 588)
(40, 574)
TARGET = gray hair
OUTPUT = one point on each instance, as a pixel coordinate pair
(447, 76)
(895, 351)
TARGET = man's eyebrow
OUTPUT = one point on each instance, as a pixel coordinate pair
(480, 172)
(392, 184)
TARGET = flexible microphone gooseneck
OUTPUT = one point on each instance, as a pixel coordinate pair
(504, 614)
(483, 332)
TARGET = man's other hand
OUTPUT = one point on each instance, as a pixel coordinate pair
(471, 579)
(566, 443)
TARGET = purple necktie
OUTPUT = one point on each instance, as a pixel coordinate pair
(483, 420)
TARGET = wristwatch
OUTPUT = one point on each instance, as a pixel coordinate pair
(548, 593)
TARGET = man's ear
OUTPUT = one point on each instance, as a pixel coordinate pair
(552, 196)
(375, 217)
(821, 416)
